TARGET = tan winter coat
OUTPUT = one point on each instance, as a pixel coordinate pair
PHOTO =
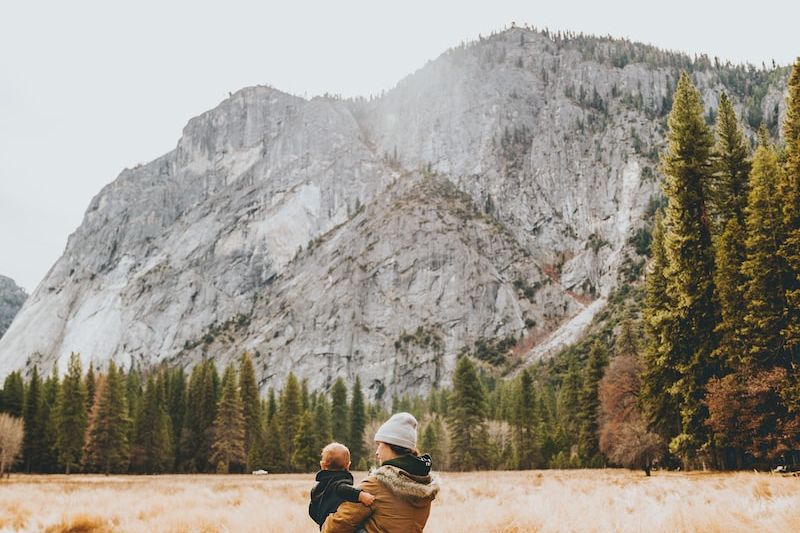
(402, 504)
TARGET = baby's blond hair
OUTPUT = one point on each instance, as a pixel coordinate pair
(335, 456)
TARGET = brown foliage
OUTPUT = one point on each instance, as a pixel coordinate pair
(12, 432)
(747, 412)
(624, 437)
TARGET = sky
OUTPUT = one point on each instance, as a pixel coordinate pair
(89, 88)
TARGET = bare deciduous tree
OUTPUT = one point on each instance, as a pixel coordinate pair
(11, 434)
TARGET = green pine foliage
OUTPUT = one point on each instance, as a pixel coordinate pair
(340, 412)
(358, 421)
(467, 418)
(34, 422)
(251, 402)
(730, 159)
(228, 446)
(71, 415)
(589, 403)
(305, 454)
(763, 267)
(689, 271)
(107, 448)
(790, 194)
(14, 394)
(290, 412)
(152, 451)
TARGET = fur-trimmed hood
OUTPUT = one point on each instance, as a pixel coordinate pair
(414, 489)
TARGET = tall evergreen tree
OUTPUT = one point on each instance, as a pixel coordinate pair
(251, 403)
(340, 412)
(763, 268)
(790, 193)
(730, 283)
(91, 386)
(272, 405)
(71, 415)
(34, 425)
(525, 424)
(176, 407)
(289, 413)
(273, 449)
(589, 402)
(48, 462)
(305, 455)
(358, 421)
(728, 195)
(322, 423)
(228, 447)
(467, 418)
(107, 448)
(658, 403)
(690, 265)
(152, 450)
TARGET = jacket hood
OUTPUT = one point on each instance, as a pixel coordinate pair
(331, 475)
(410, 487)
(418, 466)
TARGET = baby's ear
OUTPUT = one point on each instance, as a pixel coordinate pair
(322, 465)
(347, 467)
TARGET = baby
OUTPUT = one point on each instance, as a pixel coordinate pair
(334, 484)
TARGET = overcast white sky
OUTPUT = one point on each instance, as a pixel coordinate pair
(88, 88)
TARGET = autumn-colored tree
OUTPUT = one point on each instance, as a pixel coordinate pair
(12, 433)
(623, 434)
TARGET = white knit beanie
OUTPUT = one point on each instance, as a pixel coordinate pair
(400, 430)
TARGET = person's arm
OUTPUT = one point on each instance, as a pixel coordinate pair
(350, 515)
(347, 492)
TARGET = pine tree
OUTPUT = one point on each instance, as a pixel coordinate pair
(690, 265)
(209, 392)
(589, 403)
(728, 195)
(789, 190)
(152, 450)
(467, 418)
(34, 427)
(91, 386)
(340, 412)
(658, 403)
(176, 407)
(525, 424)
(14, 394)
(48, 461)
(358, 421)
(567, 407)
(228, 447)
(273, 449)
(763, 268)
(250, 402)
(290, 412)
(730, 282)
(305, 455)
(71, 415)
(322, 423)
(272, 405)
(107, 447)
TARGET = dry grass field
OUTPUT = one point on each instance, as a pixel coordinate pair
(575, 500)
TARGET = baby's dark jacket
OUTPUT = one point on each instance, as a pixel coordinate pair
(332, 488)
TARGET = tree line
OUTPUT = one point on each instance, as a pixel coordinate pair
(721, 315)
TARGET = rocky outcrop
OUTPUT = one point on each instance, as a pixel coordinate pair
(489, 197)
(11, 299)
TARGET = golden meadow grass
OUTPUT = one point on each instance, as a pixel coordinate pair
(547, 501)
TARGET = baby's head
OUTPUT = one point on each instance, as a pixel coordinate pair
(335, 456)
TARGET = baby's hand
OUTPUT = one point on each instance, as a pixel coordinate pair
(366, 498)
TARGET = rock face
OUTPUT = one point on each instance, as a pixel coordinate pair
(490, 195)
(11, 299)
